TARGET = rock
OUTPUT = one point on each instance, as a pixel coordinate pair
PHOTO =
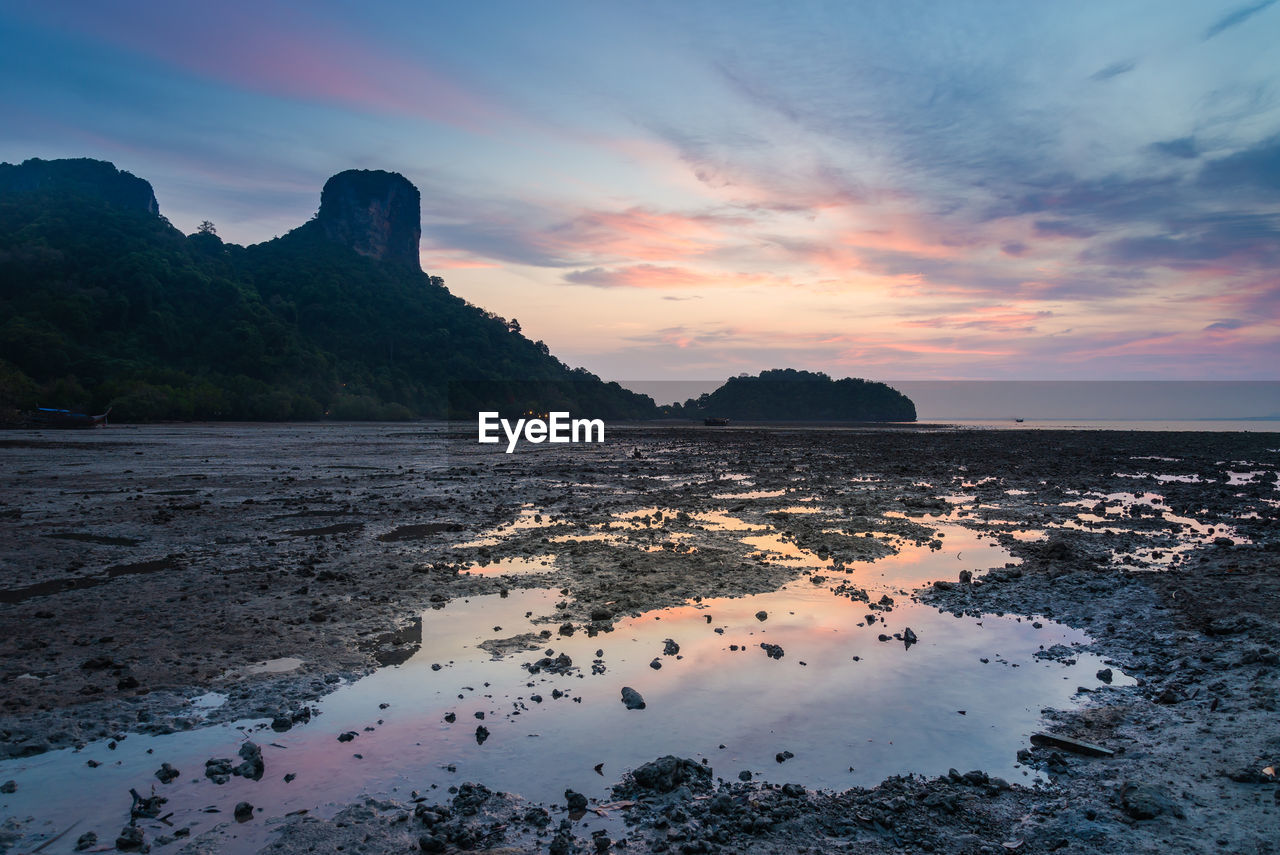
(966, 577)
(744, 775)
(253, 765)
(86, 841)
(375, 213)
(1105, 675)
(599, 613)
(670, 648)
(145, 807)
(347, 737)
(632, 698)
(656, 663)
(243, 812)
(783, 756)
(281, 723)
(773, 651)
(576, 801)
(452, 717)
(10, 786)
(131, 839)
(666, 774)
(1148, 801)
(166, 773)
(218, 770)
(909, 637)
(432, 843)
(562, 664)
(482, 733)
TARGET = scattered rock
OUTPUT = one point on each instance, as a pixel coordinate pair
(131, 839)
(253, 765)
(243, 812)
(632, 698)
(670, 772)
(166, 773)
(1148, 801)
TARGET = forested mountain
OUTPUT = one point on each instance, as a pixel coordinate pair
(104, 303)
(787, 394)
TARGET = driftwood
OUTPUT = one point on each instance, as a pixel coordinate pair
(1068, 744)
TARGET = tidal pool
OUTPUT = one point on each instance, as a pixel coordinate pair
(850, 707)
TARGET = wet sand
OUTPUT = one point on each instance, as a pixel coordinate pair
(262, 571)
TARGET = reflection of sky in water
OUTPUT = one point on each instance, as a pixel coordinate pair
(894, 710)
(516, 566)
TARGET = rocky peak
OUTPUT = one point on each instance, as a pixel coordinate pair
(376, 213)
(81, 176)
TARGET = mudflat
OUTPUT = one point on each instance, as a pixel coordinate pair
(841, 639)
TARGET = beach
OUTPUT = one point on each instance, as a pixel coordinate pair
(375, 608)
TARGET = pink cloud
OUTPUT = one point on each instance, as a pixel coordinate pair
(265, 51)
(643, 234)
(667, 277)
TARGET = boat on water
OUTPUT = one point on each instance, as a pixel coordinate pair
(715, 422)
(1019, 421)
(56, 418)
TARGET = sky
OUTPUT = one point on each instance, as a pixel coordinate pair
(689, 191)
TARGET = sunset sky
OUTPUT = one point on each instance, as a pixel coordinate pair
(684, 190)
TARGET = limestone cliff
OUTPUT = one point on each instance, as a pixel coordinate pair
(83, 177)
(373, 212)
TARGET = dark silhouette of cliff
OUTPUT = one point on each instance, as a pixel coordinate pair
(79, 178)
(103, 301)
(375, 213)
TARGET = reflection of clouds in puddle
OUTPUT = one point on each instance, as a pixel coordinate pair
(1122, 510)
(283, 665)
(801, 509)
(723, 521)
(1183, 479)
(778, 551)
(751, 494)
(878, 707)
(529, 518)
(515, 566)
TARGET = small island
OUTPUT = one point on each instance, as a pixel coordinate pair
(790, 395)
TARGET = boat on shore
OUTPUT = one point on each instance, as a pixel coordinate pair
(56, 418)
(715, 422)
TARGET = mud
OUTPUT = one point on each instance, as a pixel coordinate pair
(1162, 547)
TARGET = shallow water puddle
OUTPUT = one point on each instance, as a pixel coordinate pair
(850, 707)
(751, 494)
(1189, 534)
(515, 566)
(529, 518)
